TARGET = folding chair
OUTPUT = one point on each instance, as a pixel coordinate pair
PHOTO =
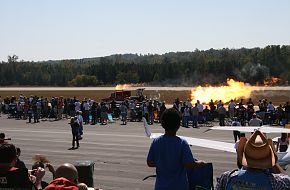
(201, 178)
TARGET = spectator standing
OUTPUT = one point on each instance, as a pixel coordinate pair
(287, 112)
(186, 116)
(231, 108)
(86, 114)
(80, 122)
(283, 143)
(124, 112)
(236, 123)
(171, 155)
(250, 109)
(104, 114)
(150, 112)
(94, 113)
(212, 108)
(222, 114)
(200, 110)
(75, 132)
(1, 105)
(194, 114)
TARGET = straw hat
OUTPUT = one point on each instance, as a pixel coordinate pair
(258, 152)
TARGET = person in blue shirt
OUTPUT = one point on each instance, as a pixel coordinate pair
(171, 155)
(260, 168)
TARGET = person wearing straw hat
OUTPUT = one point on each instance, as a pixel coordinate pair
(260, 169)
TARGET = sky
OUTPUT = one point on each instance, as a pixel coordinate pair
(38, 30)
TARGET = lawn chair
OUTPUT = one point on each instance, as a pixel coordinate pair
(201, 178)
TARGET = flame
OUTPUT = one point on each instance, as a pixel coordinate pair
(122, 86)
(272, 81)
(126, 86)
(233, 90)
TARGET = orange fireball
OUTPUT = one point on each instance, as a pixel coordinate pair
(272, 81)
(233, 90)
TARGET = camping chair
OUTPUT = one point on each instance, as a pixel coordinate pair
(201, 178)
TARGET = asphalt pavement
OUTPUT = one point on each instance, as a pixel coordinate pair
(119, 151)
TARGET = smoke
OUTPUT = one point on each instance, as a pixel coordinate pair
(253, 73)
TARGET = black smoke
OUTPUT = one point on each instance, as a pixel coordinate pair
(252, 73)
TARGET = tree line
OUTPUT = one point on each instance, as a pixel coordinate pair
(174, 68)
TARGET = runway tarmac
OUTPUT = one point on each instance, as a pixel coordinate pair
(119, 152)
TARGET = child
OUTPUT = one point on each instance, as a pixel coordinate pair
(171, 155)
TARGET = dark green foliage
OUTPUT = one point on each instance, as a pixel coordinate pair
(181, 68)
(84, 80)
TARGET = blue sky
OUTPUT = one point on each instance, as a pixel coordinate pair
(64, 29)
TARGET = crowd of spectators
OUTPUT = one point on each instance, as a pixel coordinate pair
(34, 108)
(199, 113)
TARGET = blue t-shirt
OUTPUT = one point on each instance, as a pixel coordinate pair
(170, 154)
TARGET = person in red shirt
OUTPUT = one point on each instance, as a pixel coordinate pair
(66, 177)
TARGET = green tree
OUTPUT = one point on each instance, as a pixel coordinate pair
(12, 59)
(84, 80)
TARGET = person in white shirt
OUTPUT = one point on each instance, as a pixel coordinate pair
(77, 106)
(200, 110)
(80, 122)
(188, 103)
(255, 121)
(86, 115)
(270, 113)
(231, 108)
